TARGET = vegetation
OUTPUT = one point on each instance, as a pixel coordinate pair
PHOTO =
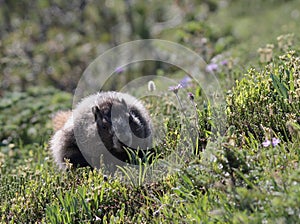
(245, 171)
(265, 103)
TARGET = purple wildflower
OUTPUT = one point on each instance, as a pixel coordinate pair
(211, 67)
(185, 82)
(119, 70)
(266, 143)
(175, 88)
(275, 141)
(224, 62)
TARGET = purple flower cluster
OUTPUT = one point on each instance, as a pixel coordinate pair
(217, 63)
(224, 62)
(185, 82)
(175, 88)
(274, 142)
(212, 67)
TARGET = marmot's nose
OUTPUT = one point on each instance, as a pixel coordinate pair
(125, 138)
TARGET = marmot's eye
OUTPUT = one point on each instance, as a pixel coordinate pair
(104, 127)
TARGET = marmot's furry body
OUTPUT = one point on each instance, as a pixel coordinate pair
(101, 123)
(60, 118)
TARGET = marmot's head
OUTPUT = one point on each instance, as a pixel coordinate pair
(120, 125)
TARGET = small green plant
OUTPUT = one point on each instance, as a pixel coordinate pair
(23, 117)
(264, 102)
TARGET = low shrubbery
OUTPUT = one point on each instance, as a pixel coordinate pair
(266, 103)
(26, 116)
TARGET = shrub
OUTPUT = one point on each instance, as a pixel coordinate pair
(264, 102)
(23, 117)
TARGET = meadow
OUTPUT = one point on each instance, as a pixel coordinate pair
(241, 156)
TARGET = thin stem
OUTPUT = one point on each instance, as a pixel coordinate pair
(185, 118)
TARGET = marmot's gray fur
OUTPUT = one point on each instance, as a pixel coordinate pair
(100, 122)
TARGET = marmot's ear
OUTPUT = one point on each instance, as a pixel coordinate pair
(124, 103)
(97, 113)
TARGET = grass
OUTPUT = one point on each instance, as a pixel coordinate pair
(234, 180)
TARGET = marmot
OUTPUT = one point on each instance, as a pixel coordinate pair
(100, 122)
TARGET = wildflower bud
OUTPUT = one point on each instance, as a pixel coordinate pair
(119, 70)
(151, 86)
(105, 178)
(262, 55)
(268, 54)
(230, 63)
(191, 96)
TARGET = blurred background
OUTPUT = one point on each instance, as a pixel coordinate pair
(51, 42)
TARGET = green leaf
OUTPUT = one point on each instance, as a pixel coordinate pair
(280, 88)
(291, 80)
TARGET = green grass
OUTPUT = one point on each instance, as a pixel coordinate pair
(234, 180)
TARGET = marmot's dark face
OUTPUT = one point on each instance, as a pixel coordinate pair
(117, 127)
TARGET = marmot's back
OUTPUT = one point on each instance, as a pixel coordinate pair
(120, 120)
(60, 118)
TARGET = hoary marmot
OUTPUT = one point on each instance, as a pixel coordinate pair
(100, 123)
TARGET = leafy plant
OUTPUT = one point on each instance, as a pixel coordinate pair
(264, 101)
(24, 119)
